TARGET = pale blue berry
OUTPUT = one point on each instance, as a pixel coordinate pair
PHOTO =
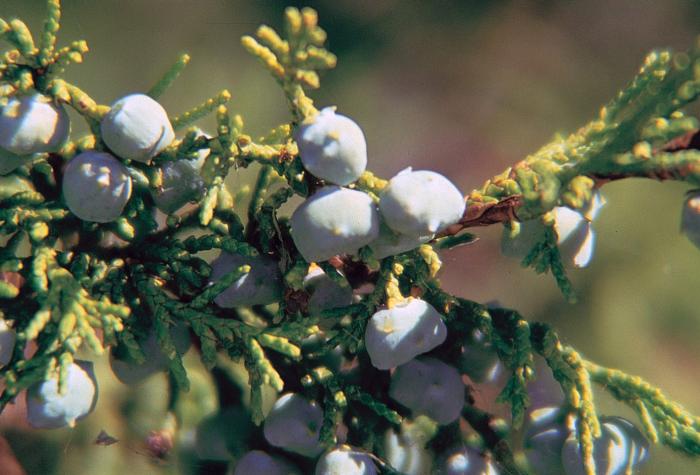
(96, 186)
(334, 221)
(430, 387)
(325, 293)
(257, 462)
(137, 128)
(544, 390)
(467, 461)
(294, 424)
(546, 431)
(47, 409)
(32, 124)
(639, 444)
(479, 360)
(592, 209)
(420, 203)
(332, 147)
(346, 461)
(575, 235)
(182, 183)
(406, 451)
(391, 243)
(262, 285)
(619, 450)
(690, 218)
(396, 335)
(7, 342)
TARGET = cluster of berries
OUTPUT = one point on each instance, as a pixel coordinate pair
(575, 234)
(51, 408)
(96, 187)
(47, 407)
(294, 425)
(337, 219)
(411, 209)
(30, 125)
(552, 448)
(96, 184)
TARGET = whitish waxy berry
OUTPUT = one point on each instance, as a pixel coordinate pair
(575, 235)
(261, 286)
(390, 243)
(325, 293)
(406, 451)
(130, 372)
(690, 219)
(182, 183)
(544, 391)
(32, 124)
(47, 409)
(332, 147)
(345, 461)
(479, 359)
(7, 342)
(430, 387)
(257, 462)
(334, 221)
(396, 335)
(547, 430)
(137, 128)
(639, 445)
(619, 450)
(420, 203)
(294, 424)
(96, 186)
(467, 461)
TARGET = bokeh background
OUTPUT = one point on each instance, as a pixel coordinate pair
(461, 87)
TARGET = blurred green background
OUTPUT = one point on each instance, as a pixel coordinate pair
(461, 87)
